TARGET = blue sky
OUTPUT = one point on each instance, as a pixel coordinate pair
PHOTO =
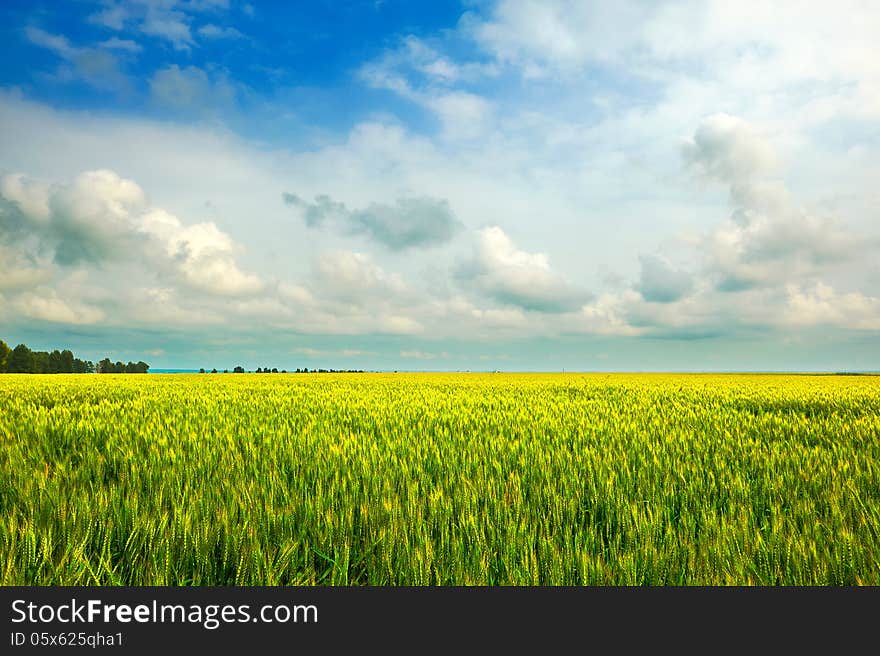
(448, 185)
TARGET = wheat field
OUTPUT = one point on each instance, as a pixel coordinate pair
(439, 479)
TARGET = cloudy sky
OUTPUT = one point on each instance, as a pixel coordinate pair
(381, 184)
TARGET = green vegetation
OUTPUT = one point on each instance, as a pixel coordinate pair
(22, 360)
(440, 479)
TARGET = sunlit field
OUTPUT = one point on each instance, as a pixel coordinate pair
(439, 479)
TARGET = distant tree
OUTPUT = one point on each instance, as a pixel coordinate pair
(238, 370)
(41, 362)
(284, 371)
(60, 362)
(214, 370)
(226, 371)
(21, 360)
(274, 370)
(4, 355)
(259, 370)
(66, 362)
(83, 366)
(202, 370)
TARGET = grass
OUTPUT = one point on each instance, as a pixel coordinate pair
(439, 479)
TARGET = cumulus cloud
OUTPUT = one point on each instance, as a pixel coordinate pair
(820, 304)
(30, 196)
(768, 239)
(202, 253)
(729, 150)
(505, 289)
(770, 249)
(45, 304)
(317, 213)
(660, 282)
(100, 218)
(348, 293)
(355, 278)
(19, 271)
(419, 222)
(515, 277)
(85, 221)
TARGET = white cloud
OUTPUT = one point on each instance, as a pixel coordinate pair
(191, 89)
(164, 307)
(96, 66)
(515, 277)
(417, 72)
(400, 325)
(728, 149)
(419, 222)
(608, 315)
(423, 355)
(101, 217)
(821, 305)
(355, 278)
(297, 294)
(31, 196)
(660, 282)
(463, 115)
(115, 43)
(768, 240)
(18, 272)
(560, 211)
(744, 39)
(55, 42)
(85, 220)
(416, 62)
(201, 252)
(561, 33)
(167, 20)
(170, 25)
(45, 304)
(316, 353)
(211, 31)
(113, 17)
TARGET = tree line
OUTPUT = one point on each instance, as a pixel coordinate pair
(22, 360)
(274, 370)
